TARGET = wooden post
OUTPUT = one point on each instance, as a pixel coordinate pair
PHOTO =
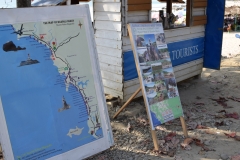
(169, 6)
(184, 126)
(128, 101)
(23, 3)
(155, 140)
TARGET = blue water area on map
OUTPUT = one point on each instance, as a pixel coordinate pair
(32, 96)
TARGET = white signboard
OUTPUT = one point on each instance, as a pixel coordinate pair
(52, 101)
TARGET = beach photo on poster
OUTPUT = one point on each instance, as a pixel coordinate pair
(172, 91)
(160, 85)
(160, 38)
(158, 77)
(145, 68)
(140, 41)
(161, 96)
(168, 73)
(151, 90)
(164, 53)
(148, 78)
(143, 55)
(153, 51)
(166, 63)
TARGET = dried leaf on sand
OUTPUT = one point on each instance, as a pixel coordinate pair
(186, 142)
(237, 157)
(217, 124)
(202, 127)
(232, 115)
(232, 135)
(221, 101)
(207, 149)
(170, 136)
(234, 99)
(237, 138)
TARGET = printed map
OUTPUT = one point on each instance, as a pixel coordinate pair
(47, 88)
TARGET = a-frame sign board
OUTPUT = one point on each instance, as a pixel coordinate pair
(155, 72)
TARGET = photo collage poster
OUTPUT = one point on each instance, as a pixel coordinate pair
(156, 72)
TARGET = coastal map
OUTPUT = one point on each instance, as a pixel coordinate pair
(47, 88)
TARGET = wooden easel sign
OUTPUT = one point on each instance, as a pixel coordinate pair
(155, 72)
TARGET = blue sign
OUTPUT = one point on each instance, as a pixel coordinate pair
(180, 52)
(186, 51)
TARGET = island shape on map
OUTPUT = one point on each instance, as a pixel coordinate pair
(10, 46)
(75, 132)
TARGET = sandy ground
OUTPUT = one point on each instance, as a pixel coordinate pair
(231, 44)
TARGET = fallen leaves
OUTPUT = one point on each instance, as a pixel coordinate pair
(202, 127)
(169, 144)
(234, 115)
(237, 138)
(221, 101)
(186, 142)
(217, 124)
(236, 157)
(233, 135)
(225, 114)
(234, 99)
(170, 136)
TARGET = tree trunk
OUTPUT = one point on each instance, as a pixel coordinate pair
(23, 3)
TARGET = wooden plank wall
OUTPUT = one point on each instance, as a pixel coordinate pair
(135, 11)
(108, 36)
(199, 19)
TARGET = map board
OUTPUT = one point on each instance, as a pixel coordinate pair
(52, 101)
(155, 72)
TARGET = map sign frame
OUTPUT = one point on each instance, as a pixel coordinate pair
(155, 72)
(52, 103)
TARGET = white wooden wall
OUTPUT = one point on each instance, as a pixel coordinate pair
(183, 71)
(108, 36)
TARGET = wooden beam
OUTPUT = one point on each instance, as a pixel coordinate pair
(169, 6)
(200, 4)
(189, 13)
(139, 1)
(184, 126)
(201, 22)
(140, 7)
(128, 101)
(198, 18)
(199, 0)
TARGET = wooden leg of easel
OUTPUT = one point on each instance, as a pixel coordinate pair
(155, 140)
(184, 126)
(128, 101)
